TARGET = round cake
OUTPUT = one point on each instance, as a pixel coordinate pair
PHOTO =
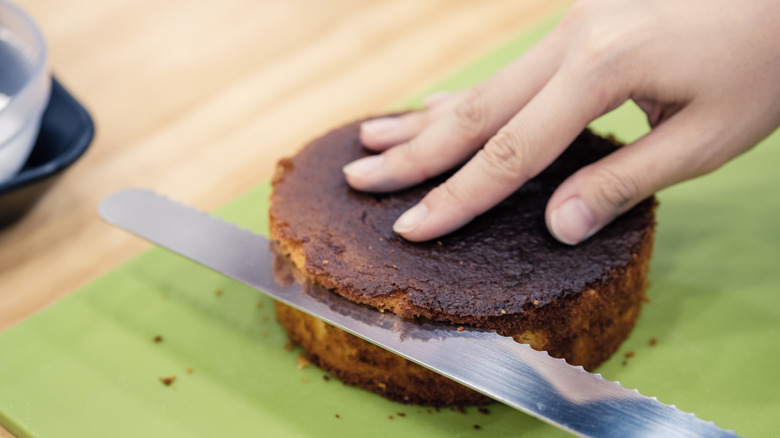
(503, 271)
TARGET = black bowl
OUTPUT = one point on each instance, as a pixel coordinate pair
(66, 132)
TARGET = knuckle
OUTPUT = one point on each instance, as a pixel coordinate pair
(409, 151)
(597, 50)
(449, 193)
(605, 46)
(412, 158)
(615, 191)
(470, 113)
(600, 63)
(503, 155)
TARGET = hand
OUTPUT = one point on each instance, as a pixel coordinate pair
(707, 74)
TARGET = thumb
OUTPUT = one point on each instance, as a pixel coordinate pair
(680, 148)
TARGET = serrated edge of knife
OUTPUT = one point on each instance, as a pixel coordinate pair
(669, 405)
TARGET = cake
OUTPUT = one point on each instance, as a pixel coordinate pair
(503, 271)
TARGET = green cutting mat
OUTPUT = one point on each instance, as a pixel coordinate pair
(88, 365)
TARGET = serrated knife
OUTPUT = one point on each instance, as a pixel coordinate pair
(531, 381)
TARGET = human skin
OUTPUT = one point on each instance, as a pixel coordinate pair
(707, 74)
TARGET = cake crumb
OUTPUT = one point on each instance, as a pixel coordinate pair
(395, 267)
(460, 329)
(630, 354)
(167, 380)
(158, 338)
(503, 311)
(459, 409)
(189, 370)
(302, 362)
(438, 242)
(326, 378)
(288, 346)
(402, 414)
(625, 362)
(536, 302)
(338, 416)
(653, 341)
(429, 411)
(483, 410)
(218, 292)
(477, 426)
(325, 262)
(305, 380)
(389, 417)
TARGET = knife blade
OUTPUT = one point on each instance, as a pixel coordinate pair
(531, 381)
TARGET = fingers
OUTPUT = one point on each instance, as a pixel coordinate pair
(528, 143)
(674, 151)
(459, 132)
(382, 133)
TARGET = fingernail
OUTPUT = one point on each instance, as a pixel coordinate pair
(436, 98)
(364, 166)
(411, 219)
(384, 124)
(572, 222)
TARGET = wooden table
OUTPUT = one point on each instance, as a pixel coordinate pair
(199, 99)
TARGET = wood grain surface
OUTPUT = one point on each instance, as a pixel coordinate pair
(199, 99)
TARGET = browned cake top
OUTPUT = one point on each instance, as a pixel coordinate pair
(499, 263)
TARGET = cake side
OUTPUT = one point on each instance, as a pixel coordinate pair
(362, 364)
